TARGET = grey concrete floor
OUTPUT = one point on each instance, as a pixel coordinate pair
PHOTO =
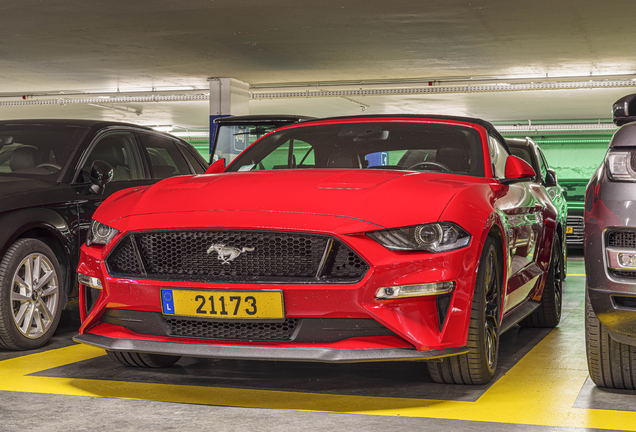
(34, 410)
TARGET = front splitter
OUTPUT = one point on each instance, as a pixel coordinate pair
(326, 355)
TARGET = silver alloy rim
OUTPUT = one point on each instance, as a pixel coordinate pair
(34, 295)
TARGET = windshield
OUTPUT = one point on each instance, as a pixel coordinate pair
(402, 146)
(36, 151)
(521, 152)
(232, 140)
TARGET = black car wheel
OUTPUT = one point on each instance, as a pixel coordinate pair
(143, 360)
(548, 315)
(30, 295)
(611, 364)
(479, 364)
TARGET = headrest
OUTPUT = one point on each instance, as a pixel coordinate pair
(23, 157)
(343, 160)
(456, 159)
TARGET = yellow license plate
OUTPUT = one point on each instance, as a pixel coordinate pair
(569, 230)
(223, 304)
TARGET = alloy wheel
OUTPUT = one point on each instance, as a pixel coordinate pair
(34, 295)
(491, 315)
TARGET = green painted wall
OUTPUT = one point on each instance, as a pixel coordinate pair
(202, 146)
(572, 156)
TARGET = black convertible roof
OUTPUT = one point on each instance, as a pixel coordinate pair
(487, 125)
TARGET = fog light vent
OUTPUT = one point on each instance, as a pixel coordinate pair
(624, 302)
(418, 290)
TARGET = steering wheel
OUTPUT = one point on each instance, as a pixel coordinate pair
(49, 165)
(431, 164)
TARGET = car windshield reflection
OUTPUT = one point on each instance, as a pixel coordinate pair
(443, 148)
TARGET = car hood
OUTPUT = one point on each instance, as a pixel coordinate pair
(379, 197)
(20, 192)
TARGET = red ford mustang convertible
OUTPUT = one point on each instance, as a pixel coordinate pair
(353, 239)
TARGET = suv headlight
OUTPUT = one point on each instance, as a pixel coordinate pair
(434, 237)
(100, 234)
(621, 165)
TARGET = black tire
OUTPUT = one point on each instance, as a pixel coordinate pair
(143, 360)
(611, 364)
(29, 316)
(548, 315)
(478, 366)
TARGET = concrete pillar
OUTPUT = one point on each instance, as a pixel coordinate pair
(228, 97)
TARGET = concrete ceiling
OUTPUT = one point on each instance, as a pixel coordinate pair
(62, 47)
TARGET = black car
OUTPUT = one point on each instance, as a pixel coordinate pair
(50, 185)
(610, 258)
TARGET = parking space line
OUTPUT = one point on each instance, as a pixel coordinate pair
(540, 389)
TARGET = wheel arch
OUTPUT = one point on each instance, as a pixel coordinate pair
(49, 227)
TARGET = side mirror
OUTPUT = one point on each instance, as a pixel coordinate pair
(217, 167)
(101, 175)
(624, 110)
(551, 178)
(517, 170)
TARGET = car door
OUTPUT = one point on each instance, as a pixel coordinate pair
(120, 149)
(522, 206)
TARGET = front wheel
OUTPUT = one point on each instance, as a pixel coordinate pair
(30, 295)
(479, 364)
(611, 364)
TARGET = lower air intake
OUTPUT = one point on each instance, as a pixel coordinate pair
(253, 331)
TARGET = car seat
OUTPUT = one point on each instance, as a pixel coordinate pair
(24, 159)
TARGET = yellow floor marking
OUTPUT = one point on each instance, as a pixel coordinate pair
(539, 390)
(575, 274)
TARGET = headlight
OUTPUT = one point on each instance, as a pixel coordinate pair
(621, 164)
(100, 233)
(435, 237)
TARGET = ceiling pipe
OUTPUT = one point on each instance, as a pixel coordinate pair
(432, 82)
(434, 89)
(109, 100)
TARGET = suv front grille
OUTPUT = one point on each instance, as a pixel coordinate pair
(621, 239)
(253, 331)
(239, 257)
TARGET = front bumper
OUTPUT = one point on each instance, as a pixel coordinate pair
(425, 327)
(611, 289)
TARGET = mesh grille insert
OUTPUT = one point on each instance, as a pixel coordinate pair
(235, 256)
(260, 331)
(622, 239)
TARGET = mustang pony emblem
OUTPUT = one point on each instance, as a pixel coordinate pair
(228, 253)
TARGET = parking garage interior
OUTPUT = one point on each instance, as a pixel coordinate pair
(545, 70)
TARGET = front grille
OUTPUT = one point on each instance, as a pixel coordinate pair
(253, 331)
(621, 239)
(577, 225)
(235, 257)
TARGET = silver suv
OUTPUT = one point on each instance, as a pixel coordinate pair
(610, 257)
